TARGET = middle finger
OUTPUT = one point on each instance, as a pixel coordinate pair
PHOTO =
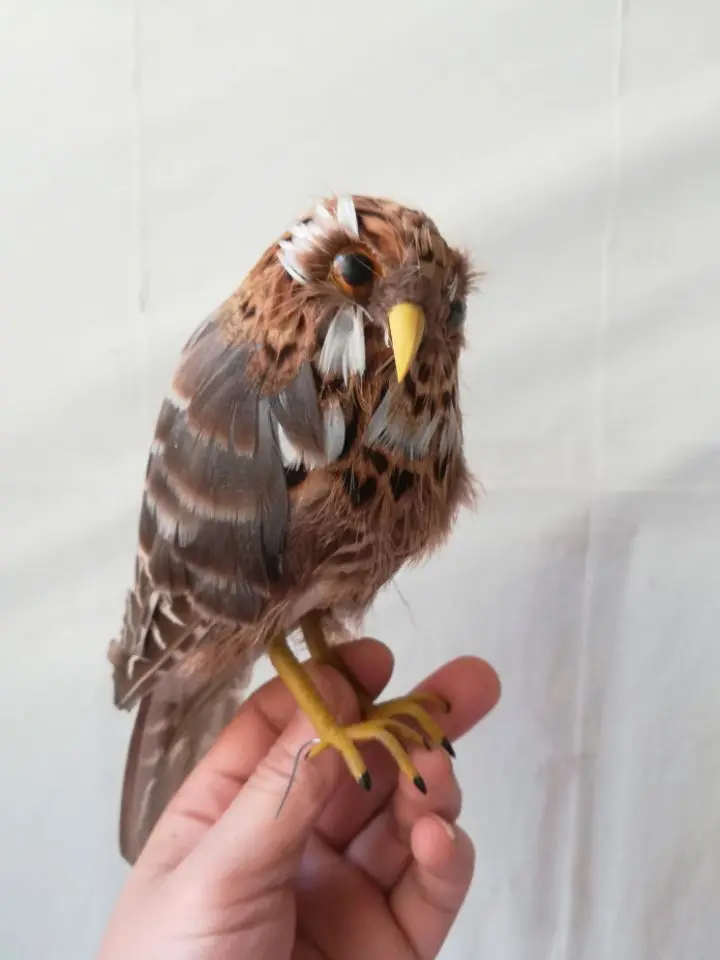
(471, 687)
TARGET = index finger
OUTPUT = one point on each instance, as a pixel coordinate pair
(214, 784)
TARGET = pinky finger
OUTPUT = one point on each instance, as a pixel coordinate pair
(428, 897)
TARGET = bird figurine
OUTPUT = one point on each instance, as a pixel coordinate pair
(309, 446)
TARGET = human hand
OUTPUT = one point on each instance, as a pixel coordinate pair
(340, 873)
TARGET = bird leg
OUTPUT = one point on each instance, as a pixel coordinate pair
(379, 721)
(321, 652)
(308, 698)
(381, 727)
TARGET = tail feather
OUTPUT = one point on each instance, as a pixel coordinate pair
(176, 724)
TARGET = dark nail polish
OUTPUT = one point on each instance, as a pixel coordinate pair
(420, 784)
(448, 746)
(365, 781)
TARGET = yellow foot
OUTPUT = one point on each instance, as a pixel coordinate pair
(380, 722)
(412, 708)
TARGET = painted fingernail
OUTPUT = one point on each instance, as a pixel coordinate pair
(448, 746)
(365, 781)
(420, 784)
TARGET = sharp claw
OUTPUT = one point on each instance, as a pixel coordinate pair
(448, 746)
(365, 781)
(420, 784)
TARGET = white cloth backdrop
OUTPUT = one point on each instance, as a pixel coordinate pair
(149, 152)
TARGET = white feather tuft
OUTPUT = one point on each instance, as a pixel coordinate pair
(450, 434)
(310, 235)
(411, 438)
(305, 236)
(288, 258)
(346, 215)
(289, 453)
(423, 435)
(343, 351)
(323, 214)
(292, 456)
(334, 423)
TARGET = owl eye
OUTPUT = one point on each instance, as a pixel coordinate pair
(457, 314)
(353, 272)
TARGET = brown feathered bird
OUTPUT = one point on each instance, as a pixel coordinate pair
(310, 445)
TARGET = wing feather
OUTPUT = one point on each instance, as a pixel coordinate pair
(213, 528)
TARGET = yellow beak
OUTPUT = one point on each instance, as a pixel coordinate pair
(407, 325)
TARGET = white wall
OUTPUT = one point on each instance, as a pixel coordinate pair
(149, 152)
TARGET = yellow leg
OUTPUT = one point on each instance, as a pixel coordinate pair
(314, 707)
(331, 733)
(321, 652)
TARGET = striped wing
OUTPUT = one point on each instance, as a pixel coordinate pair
(213, 525)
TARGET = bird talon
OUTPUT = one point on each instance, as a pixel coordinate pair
(447, 746)
(379, 722)
(343, 739)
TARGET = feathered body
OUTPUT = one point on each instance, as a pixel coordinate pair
(290, 472)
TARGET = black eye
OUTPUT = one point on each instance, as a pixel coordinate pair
(457, 313)
(354, 270)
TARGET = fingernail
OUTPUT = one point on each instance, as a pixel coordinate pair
(447, 827)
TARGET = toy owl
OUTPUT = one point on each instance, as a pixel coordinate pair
(310, 445)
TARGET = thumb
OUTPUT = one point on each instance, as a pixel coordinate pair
(256, 845)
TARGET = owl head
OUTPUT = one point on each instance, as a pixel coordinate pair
(378, 282)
